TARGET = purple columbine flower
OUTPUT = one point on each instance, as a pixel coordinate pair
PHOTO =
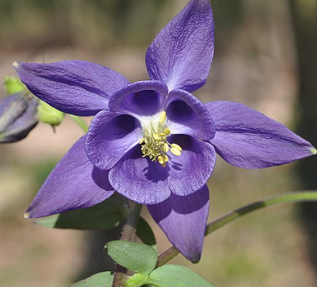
(153, 141)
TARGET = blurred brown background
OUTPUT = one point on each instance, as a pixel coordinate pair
(265, 57)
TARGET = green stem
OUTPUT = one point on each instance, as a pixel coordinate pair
(238, 213)
(80, 122)
(128, 233)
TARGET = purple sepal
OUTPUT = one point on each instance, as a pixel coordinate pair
(140, 179)
(191, 170)
(187, 115)
(182, 52)
(110, 136)
(183, 219)
(74, 183)
(144, 98)
(249, 139)
(75, 87)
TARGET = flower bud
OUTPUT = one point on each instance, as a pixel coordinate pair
(18, 116)
(49, 115)
(13, 85)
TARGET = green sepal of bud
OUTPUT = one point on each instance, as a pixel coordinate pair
(49, 115)
(13, 85)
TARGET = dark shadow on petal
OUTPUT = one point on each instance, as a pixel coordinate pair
(139, 179)
(176, 166)
(190, 203)
(182, 204)
(100, 177)
(180, 112)
(155, 172)
(145, 103)
(119, 127)
(187, 143)
(152, 170)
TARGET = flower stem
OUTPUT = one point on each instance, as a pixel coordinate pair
(128, 233)
(80, 122)
(223, 220)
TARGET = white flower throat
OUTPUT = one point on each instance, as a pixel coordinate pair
(154, 142)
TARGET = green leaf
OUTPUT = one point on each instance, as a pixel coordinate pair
(100, 279)
(137, 280)
(13, 85)
(102, 216)
(145, 233)
(132, 255)
(176, 276)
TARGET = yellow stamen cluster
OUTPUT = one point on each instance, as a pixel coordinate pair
(154, 142)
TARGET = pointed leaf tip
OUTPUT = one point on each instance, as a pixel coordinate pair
(177, 276)
(132, 255)
(99, 279)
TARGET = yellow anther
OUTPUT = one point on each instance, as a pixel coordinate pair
(160, 159)
(175, 151)
(167, 131)
(162, 117)
(176, 146)
(154, 143)
(155, 136)
(166, 147)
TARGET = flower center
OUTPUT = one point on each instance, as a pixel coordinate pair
(154, 142)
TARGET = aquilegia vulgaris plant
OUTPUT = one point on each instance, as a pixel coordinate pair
(152, 141)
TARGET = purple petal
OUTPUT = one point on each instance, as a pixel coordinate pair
(187, 115)
(140, 179)
(182, 52)
(191, 170)
(144, 98)
(110, 136)
(74, 183)
(183, 219)
(74, 87)
(249, 139)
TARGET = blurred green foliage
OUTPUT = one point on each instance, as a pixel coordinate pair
(93, 24)
(97, 24)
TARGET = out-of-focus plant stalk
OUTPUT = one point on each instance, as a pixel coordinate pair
(238, 213)
(80, 122)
